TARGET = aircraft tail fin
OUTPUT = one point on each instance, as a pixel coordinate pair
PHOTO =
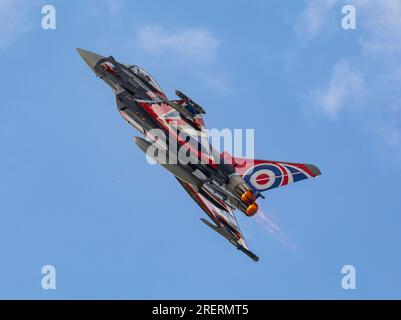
(262, 175)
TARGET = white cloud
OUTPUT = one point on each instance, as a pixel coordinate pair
(193, 44)
(381, 20)
(13, 22)
(111, 7)
(344, 86)
(313, 18)
(193, 50)
(372, 71)
(217, 83)
(388, 131)
(114, 7)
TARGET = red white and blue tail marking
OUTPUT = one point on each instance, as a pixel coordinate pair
(262, 175)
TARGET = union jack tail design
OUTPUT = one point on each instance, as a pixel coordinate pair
(262, 175)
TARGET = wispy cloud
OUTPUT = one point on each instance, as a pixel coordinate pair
(217, 82)
(344, 87)
(369, 78)
(110, 7)
(13, 21)
(192, 49)
(382, 23)
(196, 45)
(114, 7)
(313, 18)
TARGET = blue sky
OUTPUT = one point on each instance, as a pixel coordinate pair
(76, 192)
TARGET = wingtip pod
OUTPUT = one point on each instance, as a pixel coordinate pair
(314, 169)
(250, 254)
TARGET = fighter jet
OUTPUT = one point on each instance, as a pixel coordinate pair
(219, 183)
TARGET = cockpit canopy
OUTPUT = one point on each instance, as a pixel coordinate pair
(144, 76)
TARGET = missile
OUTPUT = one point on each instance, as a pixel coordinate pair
(179, 108)
(188, 100)
(177, 170)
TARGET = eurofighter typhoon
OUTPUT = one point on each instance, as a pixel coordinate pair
(219, 183)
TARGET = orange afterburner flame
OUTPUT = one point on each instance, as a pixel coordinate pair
(248, 197)
(252, 209)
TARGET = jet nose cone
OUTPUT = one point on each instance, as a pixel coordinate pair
(90, 58)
